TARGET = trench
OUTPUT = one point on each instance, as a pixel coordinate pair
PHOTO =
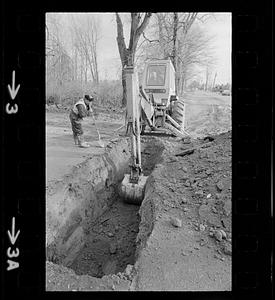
(109, 241)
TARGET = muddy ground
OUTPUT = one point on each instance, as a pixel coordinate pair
(187, 245)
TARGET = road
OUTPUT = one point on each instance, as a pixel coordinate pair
(61, 152)
(207, 113)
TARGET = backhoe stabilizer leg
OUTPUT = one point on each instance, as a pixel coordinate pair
(175, 131)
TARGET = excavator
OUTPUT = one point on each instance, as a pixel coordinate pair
(153, 104)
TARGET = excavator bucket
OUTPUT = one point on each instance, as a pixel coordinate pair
(133, 193)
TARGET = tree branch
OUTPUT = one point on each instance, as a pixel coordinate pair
(150, 41)
(206, 17)
(135, 19)
(120, 38)
(143, 24)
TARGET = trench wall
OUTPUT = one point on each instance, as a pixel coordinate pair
(82, 197)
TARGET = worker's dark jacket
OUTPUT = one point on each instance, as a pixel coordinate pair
(77, 113)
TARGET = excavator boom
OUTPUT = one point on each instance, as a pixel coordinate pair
(133, 184)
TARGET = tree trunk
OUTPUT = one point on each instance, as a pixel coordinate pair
(75, 64)
(86, 69)
(128, 58)
(174, 50)
(124, 96)
(96, 68)
(127, 55)
(81, 74)
(206, 79)
(213, 86)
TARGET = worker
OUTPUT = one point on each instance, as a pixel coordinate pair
(152, 78)
(80, 110)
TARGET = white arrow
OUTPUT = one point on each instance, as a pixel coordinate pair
(13, 237)
(13, 91)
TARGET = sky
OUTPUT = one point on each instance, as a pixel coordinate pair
(108, 56)
(222, 44)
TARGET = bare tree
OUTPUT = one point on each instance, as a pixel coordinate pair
(59, 65)
(194, 51)
(173, 28)
(176, 35)
(71, 55)
(139, 22)
(75, 52)
(86, 37)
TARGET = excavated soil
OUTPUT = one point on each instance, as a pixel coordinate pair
(185, 237)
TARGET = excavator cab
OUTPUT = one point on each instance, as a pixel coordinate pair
(159, 80)
(159, 85)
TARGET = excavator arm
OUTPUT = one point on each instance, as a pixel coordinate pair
(133, 184)
(133, 122)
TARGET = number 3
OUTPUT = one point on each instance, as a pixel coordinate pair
(12, 253)
(12, 110)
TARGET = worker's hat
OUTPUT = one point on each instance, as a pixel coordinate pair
(89, 98)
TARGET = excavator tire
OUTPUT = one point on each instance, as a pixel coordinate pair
(178, 112)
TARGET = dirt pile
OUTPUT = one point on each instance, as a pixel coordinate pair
(184, 241)
(197, 180)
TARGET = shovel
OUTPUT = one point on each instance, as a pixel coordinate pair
(100, 142)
